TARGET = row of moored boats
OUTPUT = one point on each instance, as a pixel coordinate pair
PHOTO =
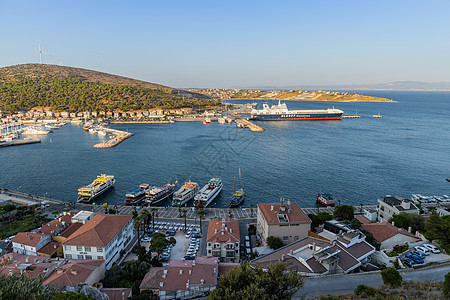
(146, 194)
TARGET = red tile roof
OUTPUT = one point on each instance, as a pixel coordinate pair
(223, 231)
(362, 219)
(57, 224)
(116, 293)
(383, 231)
(71, 229)
(50, 248)
(27, 238)
(292, 211)
(72, 273)
(98, 231)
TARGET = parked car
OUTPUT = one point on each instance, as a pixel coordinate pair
(408, 262)
(172, 233)
(163, 258)
(145, 239)
(197, 235)
(432, 248)
(188, 234)
(415, 258)
(189, 257)
(422, 249)
(418, 253)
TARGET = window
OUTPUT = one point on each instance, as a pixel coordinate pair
(209, 251)
(69, 256)
(100, 257)
(285, 238)
(296, 237)
(99, 249)
(80, 257)
(87, 249)
(79, 248)
(209, 244)
(66, 247)
(88, 257)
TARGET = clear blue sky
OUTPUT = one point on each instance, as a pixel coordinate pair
(235, 43)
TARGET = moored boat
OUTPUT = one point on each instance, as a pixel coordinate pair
(207, 121)
(280, 112)
(157, 194)
(96, 188)
(35, 130)
(238, 195)
(185, 193)
(136, 195)
(325, 199)
(221, 121)
(207, 194)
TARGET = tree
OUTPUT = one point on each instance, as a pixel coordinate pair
(184, 212)
(344, 212)
(24, 288)
(438, 228)
(391, 277)
(200, 213)
(129, 276)
(446, 287)
(246, 282)
(154, 211)
(159, 242)
(137, 223)
(274, 242)
(319, 219)
(405, 220)
(146, 218)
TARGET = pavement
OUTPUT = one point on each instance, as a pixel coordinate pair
(343, 284)
(179, 250)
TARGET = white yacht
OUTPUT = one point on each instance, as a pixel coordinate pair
(34, 130)
(185, 193)
(208, 193)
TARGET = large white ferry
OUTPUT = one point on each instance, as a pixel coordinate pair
(96, 188)
(35, 130)
(185, 193)
(207, 194)
(280, 112)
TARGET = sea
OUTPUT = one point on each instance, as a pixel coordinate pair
(405, 152)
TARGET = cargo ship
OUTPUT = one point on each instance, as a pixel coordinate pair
(185, 193)
(137, 195)
(96, 188)
(207, 194)
(325, 199)
(280, 112)
(238, 195)
(159, 193)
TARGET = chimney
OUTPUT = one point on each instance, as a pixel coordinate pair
(314, 246)
(27, 259)
(10, 272)
(161, 284)
(190, 272)
(214, 272)
(215, 231)
(409, 229)
(181, 271)
(59, 270)
(393, 223)
(271, 207)
(282, 257)
(406, 204)
(202, 281)
(193, 262)
(74, 272)
(291, 252)
(231, 231)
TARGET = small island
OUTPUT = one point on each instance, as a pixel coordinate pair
(294, 95)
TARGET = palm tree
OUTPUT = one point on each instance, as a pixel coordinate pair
(137, 223)
(251, 210)
(146, 218)
(184, 211)
(200, 214)
(154, 210)
(360, 207)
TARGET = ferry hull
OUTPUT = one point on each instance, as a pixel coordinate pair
(296, 117)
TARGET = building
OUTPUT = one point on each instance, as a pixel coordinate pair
(29, 243)
(389, 235)
(393, 205)
(54, 227)
(152, 280)
(283, 220)
(443, 210)
(223, 240)
(312, 256)
(83, 216)
(29, 265)
(75, 272)
(117, 293)
(183, 279)
(102, 237)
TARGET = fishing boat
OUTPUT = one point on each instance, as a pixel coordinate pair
(102, 133)
(159, 193)
(185, 193)
(221, 121)
(207, 121)
(96, 188)
(238, 195)
(377, 116)
(136, 196)
(207, 194)
(325, 199)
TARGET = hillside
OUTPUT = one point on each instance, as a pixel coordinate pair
(297, 95)
(66, 88)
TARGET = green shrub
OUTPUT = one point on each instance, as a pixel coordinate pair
(391, 277)
(446, 288)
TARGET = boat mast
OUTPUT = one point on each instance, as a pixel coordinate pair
(239, 178)
(235, 184)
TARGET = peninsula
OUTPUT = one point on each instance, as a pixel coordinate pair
(296, 95)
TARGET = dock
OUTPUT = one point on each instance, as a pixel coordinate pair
(143, 122)
(244, 123)
(119, 138)
(20, 142)
(351, 117)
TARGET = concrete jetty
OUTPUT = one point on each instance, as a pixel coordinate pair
(119, 138)
(243, 122)
(143, 122)
(20, 142)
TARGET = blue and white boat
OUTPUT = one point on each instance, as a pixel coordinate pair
(137, 195)
(280, 112)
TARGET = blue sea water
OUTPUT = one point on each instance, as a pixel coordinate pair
(357, 160)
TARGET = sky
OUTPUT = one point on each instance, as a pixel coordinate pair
(228, 44)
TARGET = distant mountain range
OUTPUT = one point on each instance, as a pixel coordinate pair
(392, 86)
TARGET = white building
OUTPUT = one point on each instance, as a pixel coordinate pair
(390, 206)
(29, 243)
(223, 240)
(102, 237)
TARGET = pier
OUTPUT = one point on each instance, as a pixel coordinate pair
(143, 122)
(244, 123)
(120, 137)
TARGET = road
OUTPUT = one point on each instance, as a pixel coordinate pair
(342, 284)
